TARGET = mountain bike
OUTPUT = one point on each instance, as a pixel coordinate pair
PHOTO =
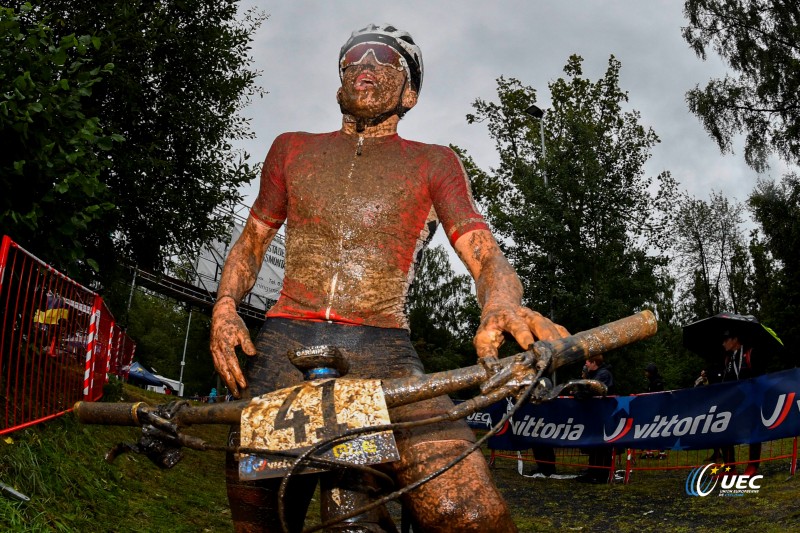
(330, 422)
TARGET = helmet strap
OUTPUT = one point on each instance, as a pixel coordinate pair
(399, 110)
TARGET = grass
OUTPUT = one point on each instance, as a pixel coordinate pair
(60, 466)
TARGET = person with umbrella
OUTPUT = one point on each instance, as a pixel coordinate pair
(742, 340)
(740, 363)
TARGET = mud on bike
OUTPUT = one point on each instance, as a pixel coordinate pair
(333, 424)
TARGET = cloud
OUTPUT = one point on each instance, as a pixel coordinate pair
(468, 44)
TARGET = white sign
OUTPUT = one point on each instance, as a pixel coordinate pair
(270, 279)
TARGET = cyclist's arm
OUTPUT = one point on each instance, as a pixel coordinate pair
(238, 276)
(499, 294)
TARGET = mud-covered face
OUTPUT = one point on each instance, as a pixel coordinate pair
(370, 89)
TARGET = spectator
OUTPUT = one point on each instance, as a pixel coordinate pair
(740, 363)
(702, 379)
(655, 383)
(212, 396)
(600, 457)
(545, 457)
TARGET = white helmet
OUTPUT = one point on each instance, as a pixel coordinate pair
(398, 40)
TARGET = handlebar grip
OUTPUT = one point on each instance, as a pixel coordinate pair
(113, 414)
(602, 338)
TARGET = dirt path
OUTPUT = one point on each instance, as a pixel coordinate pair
(654, 501)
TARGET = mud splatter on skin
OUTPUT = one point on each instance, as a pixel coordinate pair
(228, 330)
(356, 203)
(370, 90)
(499, 293)
(462, 499)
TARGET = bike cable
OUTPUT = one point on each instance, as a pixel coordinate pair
(304, 457)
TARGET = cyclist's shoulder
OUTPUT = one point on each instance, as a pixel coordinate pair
(432, 153)
(303, 137)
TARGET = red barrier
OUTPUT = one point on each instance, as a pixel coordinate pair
(56, 341)
(628, 463)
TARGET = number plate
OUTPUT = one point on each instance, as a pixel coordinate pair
(296, 418)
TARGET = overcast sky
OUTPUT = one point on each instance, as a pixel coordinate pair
(467, 44)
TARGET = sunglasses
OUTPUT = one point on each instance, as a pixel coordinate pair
(383, 54)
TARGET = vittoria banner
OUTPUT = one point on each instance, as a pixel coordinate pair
(755, 410)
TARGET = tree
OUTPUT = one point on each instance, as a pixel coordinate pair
(158, 325)
(54, 152)
(759, 40)
(585, 244)
(711, 254)
(181, 77)
(776, 207)
(443, 313)
(580, 243)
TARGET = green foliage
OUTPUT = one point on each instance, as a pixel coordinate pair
(59, 466)
(759, 40)
(181, 77)
(712, 259)
(580, 222)
(158, 325)
(54, 151)
(112, 391)
(443, 314)
(580, 241)
(776, 207)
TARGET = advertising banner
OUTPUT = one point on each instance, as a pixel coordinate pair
(270, 278)
(754, 410)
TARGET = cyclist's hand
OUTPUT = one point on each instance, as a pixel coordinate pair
(525, 325)
(228, 331)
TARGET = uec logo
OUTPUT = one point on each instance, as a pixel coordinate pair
(698, 484)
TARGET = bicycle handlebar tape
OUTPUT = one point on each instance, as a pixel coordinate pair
(112, 414)
(602, 339)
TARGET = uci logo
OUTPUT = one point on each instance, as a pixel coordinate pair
(704, 479)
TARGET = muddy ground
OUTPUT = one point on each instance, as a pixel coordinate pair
(652, 501)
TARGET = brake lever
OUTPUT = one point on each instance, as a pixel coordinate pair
(160, 440)
(525, 368)
(590, 387)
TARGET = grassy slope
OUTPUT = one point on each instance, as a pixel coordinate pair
(60, 466)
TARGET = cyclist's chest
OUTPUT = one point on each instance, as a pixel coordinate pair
(378, 189)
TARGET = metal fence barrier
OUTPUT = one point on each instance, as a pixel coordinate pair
(628, 463)
(58, 341)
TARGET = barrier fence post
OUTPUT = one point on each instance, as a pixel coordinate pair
(628, 465)
(94, 328)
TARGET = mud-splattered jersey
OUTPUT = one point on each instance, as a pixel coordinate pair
(358, 213)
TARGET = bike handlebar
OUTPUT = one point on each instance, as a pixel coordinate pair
(563, 351)
(400, 391)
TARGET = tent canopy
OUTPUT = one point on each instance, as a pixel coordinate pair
(140, 374)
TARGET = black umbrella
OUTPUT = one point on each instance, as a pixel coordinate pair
(705, 336)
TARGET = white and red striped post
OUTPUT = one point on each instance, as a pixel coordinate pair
(94, 325)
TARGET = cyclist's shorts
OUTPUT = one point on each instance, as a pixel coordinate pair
(373, 353)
